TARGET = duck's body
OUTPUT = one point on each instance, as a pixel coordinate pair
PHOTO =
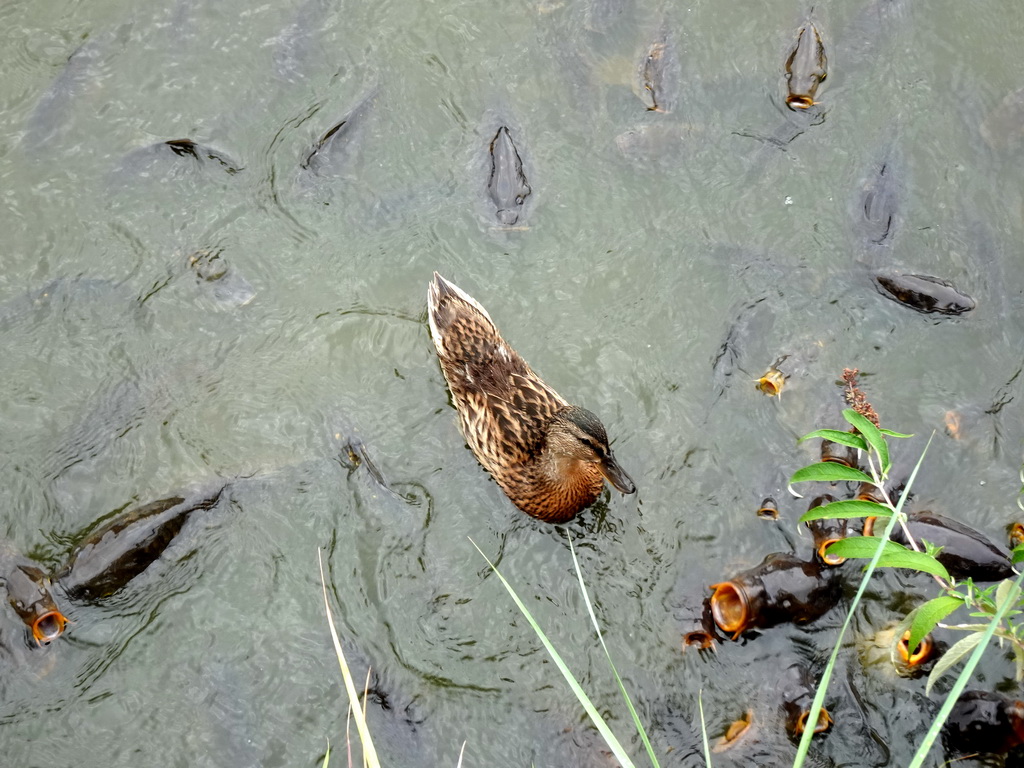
(551, 458)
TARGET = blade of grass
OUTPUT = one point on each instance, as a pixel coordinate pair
(366, 698)
(595, 716)
(593, 619)
(704, 729)
(819, 696)
(369, 753)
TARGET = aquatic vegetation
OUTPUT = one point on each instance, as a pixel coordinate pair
(995, 605)
(610, 739)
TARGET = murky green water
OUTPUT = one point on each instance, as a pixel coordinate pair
(656, 275)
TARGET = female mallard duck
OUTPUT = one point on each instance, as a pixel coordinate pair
(550, 458)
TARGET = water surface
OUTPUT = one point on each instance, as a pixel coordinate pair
(664, 262)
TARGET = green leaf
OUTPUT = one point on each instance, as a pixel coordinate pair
(952, 657)
(828, 472)
(893, 555)
(845, 509)
(1018, 553)
(1018, 658)
(928, 615)
(836, 436)
(890, 433)
(873, 437)
(1007, 592)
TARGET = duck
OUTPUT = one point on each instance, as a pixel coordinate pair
(551, 458)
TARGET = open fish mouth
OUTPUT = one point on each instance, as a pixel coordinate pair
(802, 101)
(48, 627)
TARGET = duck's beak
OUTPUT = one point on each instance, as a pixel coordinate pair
(616, 475)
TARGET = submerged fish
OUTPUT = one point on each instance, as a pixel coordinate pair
(797, 689)
(878, 201)
(28, 591)
(657, 75)
(328, 155)
(966, 552)
(871, 29)
(229, 288)
(119, 550)
(507, 186)
(924, 293)
(1003, 127)
(153, 159)
(806, 67)
(63, 293)
(984, 722)
(292, 52)
(83, 69)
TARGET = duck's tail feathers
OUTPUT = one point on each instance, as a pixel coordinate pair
(447, 306)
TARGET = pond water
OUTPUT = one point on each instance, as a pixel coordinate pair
(662, 261)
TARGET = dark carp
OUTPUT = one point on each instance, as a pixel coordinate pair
(328, 156)
(920, 660)
(965, 552)
(697, 623)
(781, 589)
(121, 549)
(806, 67)
(29, 593)
(924, 293)
(984, 722)
(826, 532)
(507, 185)
(798, 689)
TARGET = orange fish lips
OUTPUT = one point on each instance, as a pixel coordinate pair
(48, 627)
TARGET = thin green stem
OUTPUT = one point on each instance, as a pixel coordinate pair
(593, 619)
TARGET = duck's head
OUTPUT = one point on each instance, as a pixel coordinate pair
(576, 433)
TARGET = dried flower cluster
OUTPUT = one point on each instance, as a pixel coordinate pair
(856, 398)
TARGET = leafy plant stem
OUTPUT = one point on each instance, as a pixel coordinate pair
(819, 696)
(962, 679)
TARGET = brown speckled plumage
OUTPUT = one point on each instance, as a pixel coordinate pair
(551, 458)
